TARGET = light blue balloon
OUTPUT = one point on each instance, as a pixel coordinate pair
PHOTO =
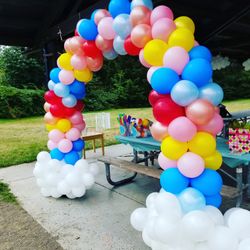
(184, 93)
(51, 85)
(69, 101)
(122, 25)
(147, 3)
(61, 90)
(119, 46)
(191, 199)
(110, 55)
(213, 93)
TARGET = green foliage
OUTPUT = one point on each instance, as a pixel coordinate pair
(19, 70)
(5, 194)
(17, 103)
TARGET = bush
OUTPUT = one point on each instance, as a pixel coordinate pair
(16, 103)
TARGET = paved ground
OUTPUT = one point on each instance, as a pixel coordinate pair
(100, 220)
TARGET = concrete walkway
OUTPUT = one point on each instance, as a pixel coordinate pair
(99, 220)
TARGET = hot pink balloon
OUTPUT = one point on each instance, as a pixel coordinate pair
(158, 131)
(161, 12)
(182, 129)
(76, 118)
(163, 28)
(151, 72)
(50, 119)
(51, 145)
(166, 163)
(56, 135)
(78, 62)
(105, 28)
(103, 44)
(176, 58)
(191, 165)
(100, 14)
(73, 134)
(142, 60)
(65, 145)
(66, 76)
(214, 126)
(80, 126)
(46, 106)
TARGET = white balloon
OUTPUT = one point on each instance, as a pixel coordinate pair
(63, 187)
(149, 228)
(82, 165)
(43, 157)
(228, 213)
(150, 201)
(156, 245)
(73, 179)
(55, 165)
(215, 214)
(94, 169)
(88, 180)
(70, 196)
(147, 240)
(38, 171)
(52, 179)
(138, 218)
(55, 194)
(244, 245)
(78, 191)
(202, 246)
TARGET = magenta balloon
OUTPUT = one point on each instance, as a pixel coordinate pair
(55, 135)
(151, 72)
(214, 126)
(158, 131)
(182, 129)
(161, 12)
(105, 28)
(166, 163)
(191, 165)
(73, 134)
(65, 145)
(163, 28)
(80, 126)
(78, 62)
(142, 60)
(66, 76)
(176, 58)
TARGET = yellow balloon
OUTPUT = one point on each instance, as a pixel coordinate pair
(83, 75)
(214, 161)
(63, 125)
(203, 144)
(63, 61)
(181, 37)
(185, 22)
(49, 127)
(173, 149)
(154, 52)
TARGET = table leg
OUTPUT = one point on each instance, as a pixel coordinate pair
(102, 139)
(84, 153)
(146, 158)
(239, 176)
(94, 145)
(135, 156)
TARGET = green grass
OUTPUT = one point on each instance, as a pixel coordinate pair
(22, 139)
(6, 195)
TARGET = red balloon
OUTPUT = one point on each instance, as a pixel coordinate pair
(56, 110)
(130, 48)
(68, 111)
(51, 97)
(90, 49)
(76, 33)
(165, 110)
(79, 106)
(155, 96)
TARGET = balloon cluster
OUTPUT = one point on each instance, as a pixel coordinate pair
(246, 65)
(166, 226)
(220, 62)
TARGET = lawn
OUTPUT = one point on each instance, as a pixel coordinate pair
(6, 195)
(22, 139)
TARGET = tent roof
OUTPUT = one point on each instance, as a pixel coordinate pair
(223, 26)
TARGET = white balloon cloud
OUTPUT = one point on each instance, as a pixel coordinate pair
(220, 62)
(246, 65)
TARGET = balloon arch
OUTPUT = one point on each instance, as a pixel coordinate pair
(183, 215)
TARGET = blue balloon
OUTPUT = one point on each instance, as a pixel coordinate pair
(71, 158)
(163, 80)
(117, 7)
(213, 93)
(69, 101)
(173, 181)
(93, 15)
(77, 87)
(147, 3)
(209, 183)
(198, 71)
(54, 75)
(191, 199)
(56, 154)
(200, 52)
(110, 55)
(119, 46)
(51, 85)
(87, 29)
(61, 90)
(184, 93)
(122, 25)
(214, 200)
(78, 145)
(79, 96)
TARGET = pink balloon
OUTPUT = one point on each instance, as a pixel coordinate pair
(214, 126)
(66, 76)
(140, 15)
(50, 119)
(142, 60)
(80, 126)
(94, 64)
(65, 145)
(75, 45)
(46, 106)
(166, 163)
(51, 145)
(191, 165)
(67, 46)
(103, 44)
(76, 118)
(105, 28)
(176, 58)
(141, 35)
(182, 129)
(161, 12)
(56, 135)
(196, 44)
(78, 62)
(100, 14)
(158, 131)
(151, 72)
(73, 134)
(163, 28)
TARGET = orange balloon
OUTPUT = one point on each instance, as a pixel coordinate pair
(140, 15)
(75, 45)
(141, 35)
(103, 44)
